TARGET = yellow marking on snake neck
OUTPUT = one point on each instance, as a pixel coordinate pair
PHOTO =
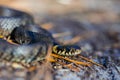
(55, 48)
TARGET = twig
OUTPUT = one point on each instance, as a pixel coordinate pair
(84, 35)
(63, 34)
(47, 26)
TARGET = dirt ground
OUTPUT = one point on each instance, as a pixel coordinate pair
(94, 25)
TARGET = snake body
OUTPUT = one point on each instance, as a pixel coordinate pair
(10, 19)
(27, 55)
(33, 40)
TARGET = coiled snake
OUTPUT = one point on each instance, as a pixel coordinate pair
(33, 40)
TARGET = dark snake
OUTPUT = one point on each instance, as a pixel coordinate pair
(32, 39)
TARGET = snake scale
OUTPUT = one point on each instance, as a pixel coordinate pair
(32, 39)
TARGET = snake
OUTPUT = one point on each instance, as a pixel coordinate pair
(33, 41)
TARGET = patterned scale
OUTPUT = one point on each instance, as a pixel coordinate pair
(10, 19)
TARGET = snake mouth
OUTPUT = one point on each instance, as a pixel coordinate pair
(66, 50)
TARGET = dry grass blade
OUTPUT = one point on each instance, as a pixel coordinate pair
(91, 61)
(47, 26)
(63, 34)
(83, 36)
(70, 60)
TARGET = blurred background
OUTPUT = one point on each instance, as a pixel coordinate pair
(92, 24)
(73, 16)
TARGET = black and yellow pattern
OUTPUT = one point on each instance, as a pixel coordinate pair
(66, 50)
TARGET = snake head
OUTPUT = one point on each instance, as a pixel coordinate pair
(66, 50)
